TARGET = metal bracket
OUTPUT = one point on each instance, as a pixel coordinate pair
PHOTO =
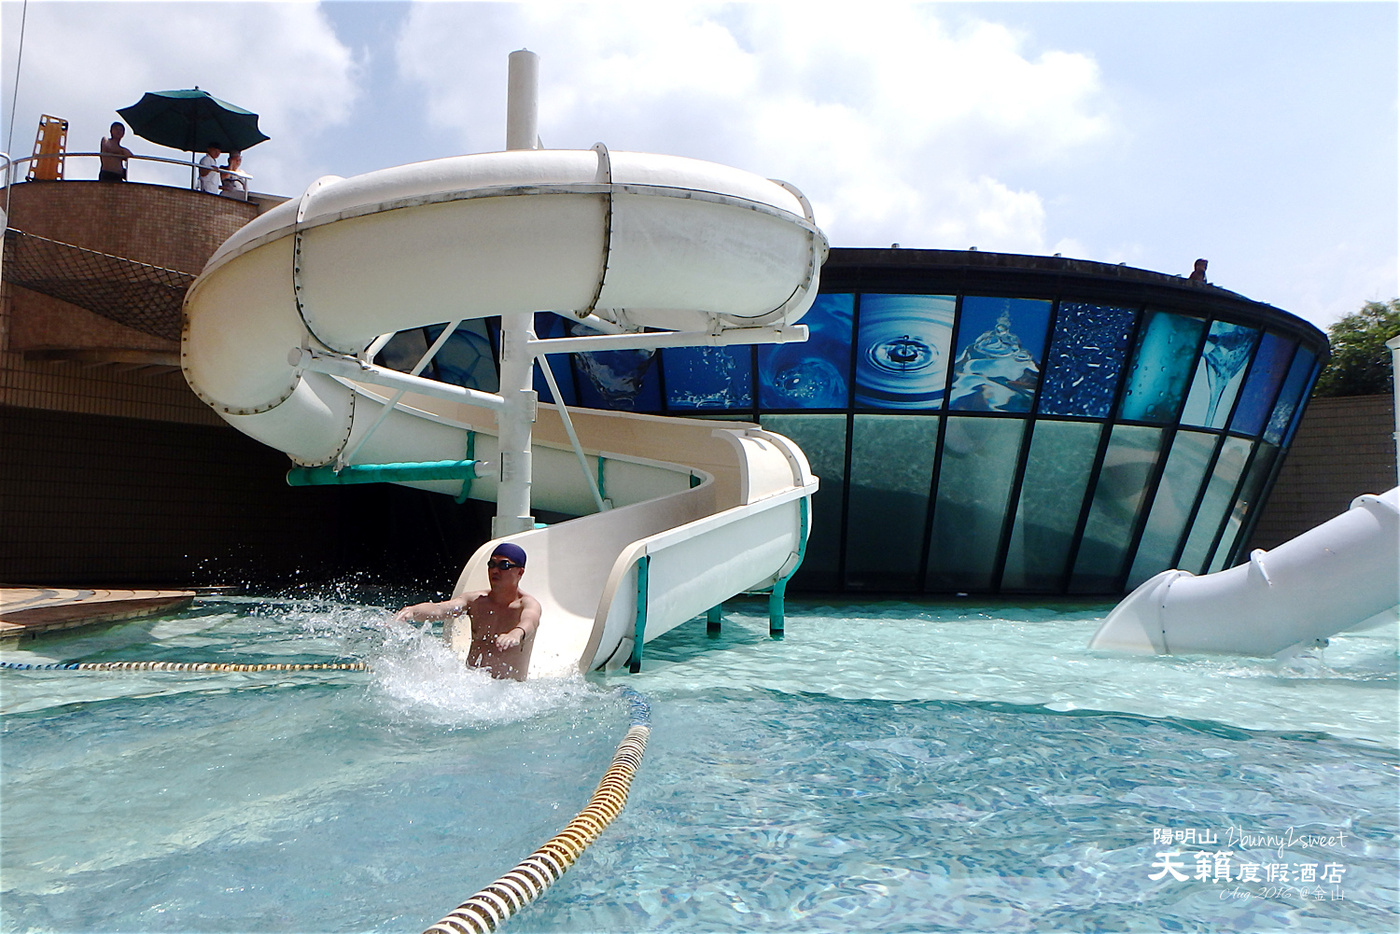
(605, 169)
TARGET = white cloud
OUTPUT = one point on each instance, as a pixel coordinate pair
(895, 126)
(82, 61)
(928, 125)
(1334, 282)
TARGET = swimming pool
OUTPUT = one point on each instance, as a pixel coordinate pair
(886, 767)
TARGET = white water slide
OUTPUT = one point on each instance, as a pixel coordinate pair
(1343, 574)
(677, 515)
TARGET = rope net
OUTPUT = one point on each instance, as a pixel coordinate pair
(142, 297)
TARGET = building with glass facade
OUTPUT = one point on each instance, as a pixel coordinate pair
(992, 423)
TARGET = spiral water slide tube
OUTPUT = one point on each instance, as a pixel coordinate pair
(282, 325)
(1343, 574)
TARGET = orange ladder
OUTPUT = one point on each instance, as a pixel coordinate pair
(50, 143)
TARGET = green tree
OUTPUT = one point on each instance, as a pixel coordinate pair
(1360, 364)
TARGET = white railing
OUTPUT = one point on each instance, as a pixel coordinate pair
(152, 170)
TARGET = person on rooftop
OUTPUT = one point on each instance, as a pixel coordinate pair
(209, 177)
(234, 186)
(503, 619)
(113, 155)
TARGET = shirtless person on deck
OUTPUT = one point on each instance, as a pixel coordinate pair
(503, 619)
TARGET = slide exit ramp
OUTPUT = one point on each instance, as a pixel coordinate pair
(1340, 575)
(611, 581)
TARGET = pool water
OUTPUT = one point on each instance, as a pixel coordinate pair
(886, 767)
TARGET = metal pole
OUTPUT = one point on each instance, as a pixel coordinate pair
(522, 101)
(516, 417)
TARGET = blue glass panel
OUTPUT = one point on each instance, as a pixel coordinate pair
(1118, 496)
(615, 379)
(902, 350)
(891, 466)
(1171, 508)
(1249, 500)
(1052, 497)
(1219, 375)
(823, 439)
(1000, 345)
(1085, 359)
(813, 374)
(1290, 396)
(708, 377)
(560, 364)
(1302, 400)
(974, 485)
(404, 350)
(1157, 379)
(467, 360)
(1220, 495)
(1257, 398)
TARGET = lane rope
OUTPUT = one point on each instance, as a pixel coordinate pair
(491, 907)
(182, 666)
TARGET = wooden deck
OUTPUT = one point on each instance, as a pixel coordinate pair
(26, 612)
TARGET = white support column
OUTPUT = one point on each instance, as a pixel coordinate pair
(522, 101)
(515, 421)
(516, 418)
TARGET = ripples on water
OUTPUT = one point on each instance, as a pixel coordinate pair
(887, 767)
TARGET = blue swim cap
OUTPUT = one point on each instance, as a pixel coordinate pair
(513, 552)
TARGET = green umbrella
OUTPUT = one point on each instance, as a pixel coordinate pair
(193, 121)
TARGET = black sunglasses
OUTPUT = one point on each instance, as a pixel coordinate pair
(503, 564)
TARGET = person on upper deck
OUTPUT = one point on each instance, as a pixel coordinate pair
(209, 170)
(503, 619)
(233, 186)
(113, 155)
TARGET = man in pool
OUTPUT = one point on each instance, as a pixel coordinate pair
(503, 619)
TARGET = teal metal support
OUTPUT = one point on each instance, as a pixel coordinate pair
(381, 473)
(602, 487)
(634, 664)
(775, 599)
(467, 481)
(712, 620)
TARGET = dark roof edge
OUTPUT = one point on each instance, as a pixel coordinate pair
(972, 265)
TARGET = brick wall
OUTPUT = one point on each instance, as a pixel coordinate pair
(117, 475)
(1344, 447)
(159, 394)
(171, 227)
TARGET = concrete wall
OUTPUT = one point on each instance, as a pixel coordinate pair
(1344, 447)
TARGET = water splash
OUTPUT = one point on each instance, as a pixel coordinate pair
(415, 674)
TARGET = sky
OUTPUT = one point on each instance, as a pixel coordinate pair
(1259, 135)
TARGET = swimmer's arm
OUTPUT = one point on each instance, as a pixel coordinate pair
(447, 609)
(529, 623)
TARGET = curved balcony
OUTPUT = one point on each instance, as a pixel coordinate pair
(101, 267)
